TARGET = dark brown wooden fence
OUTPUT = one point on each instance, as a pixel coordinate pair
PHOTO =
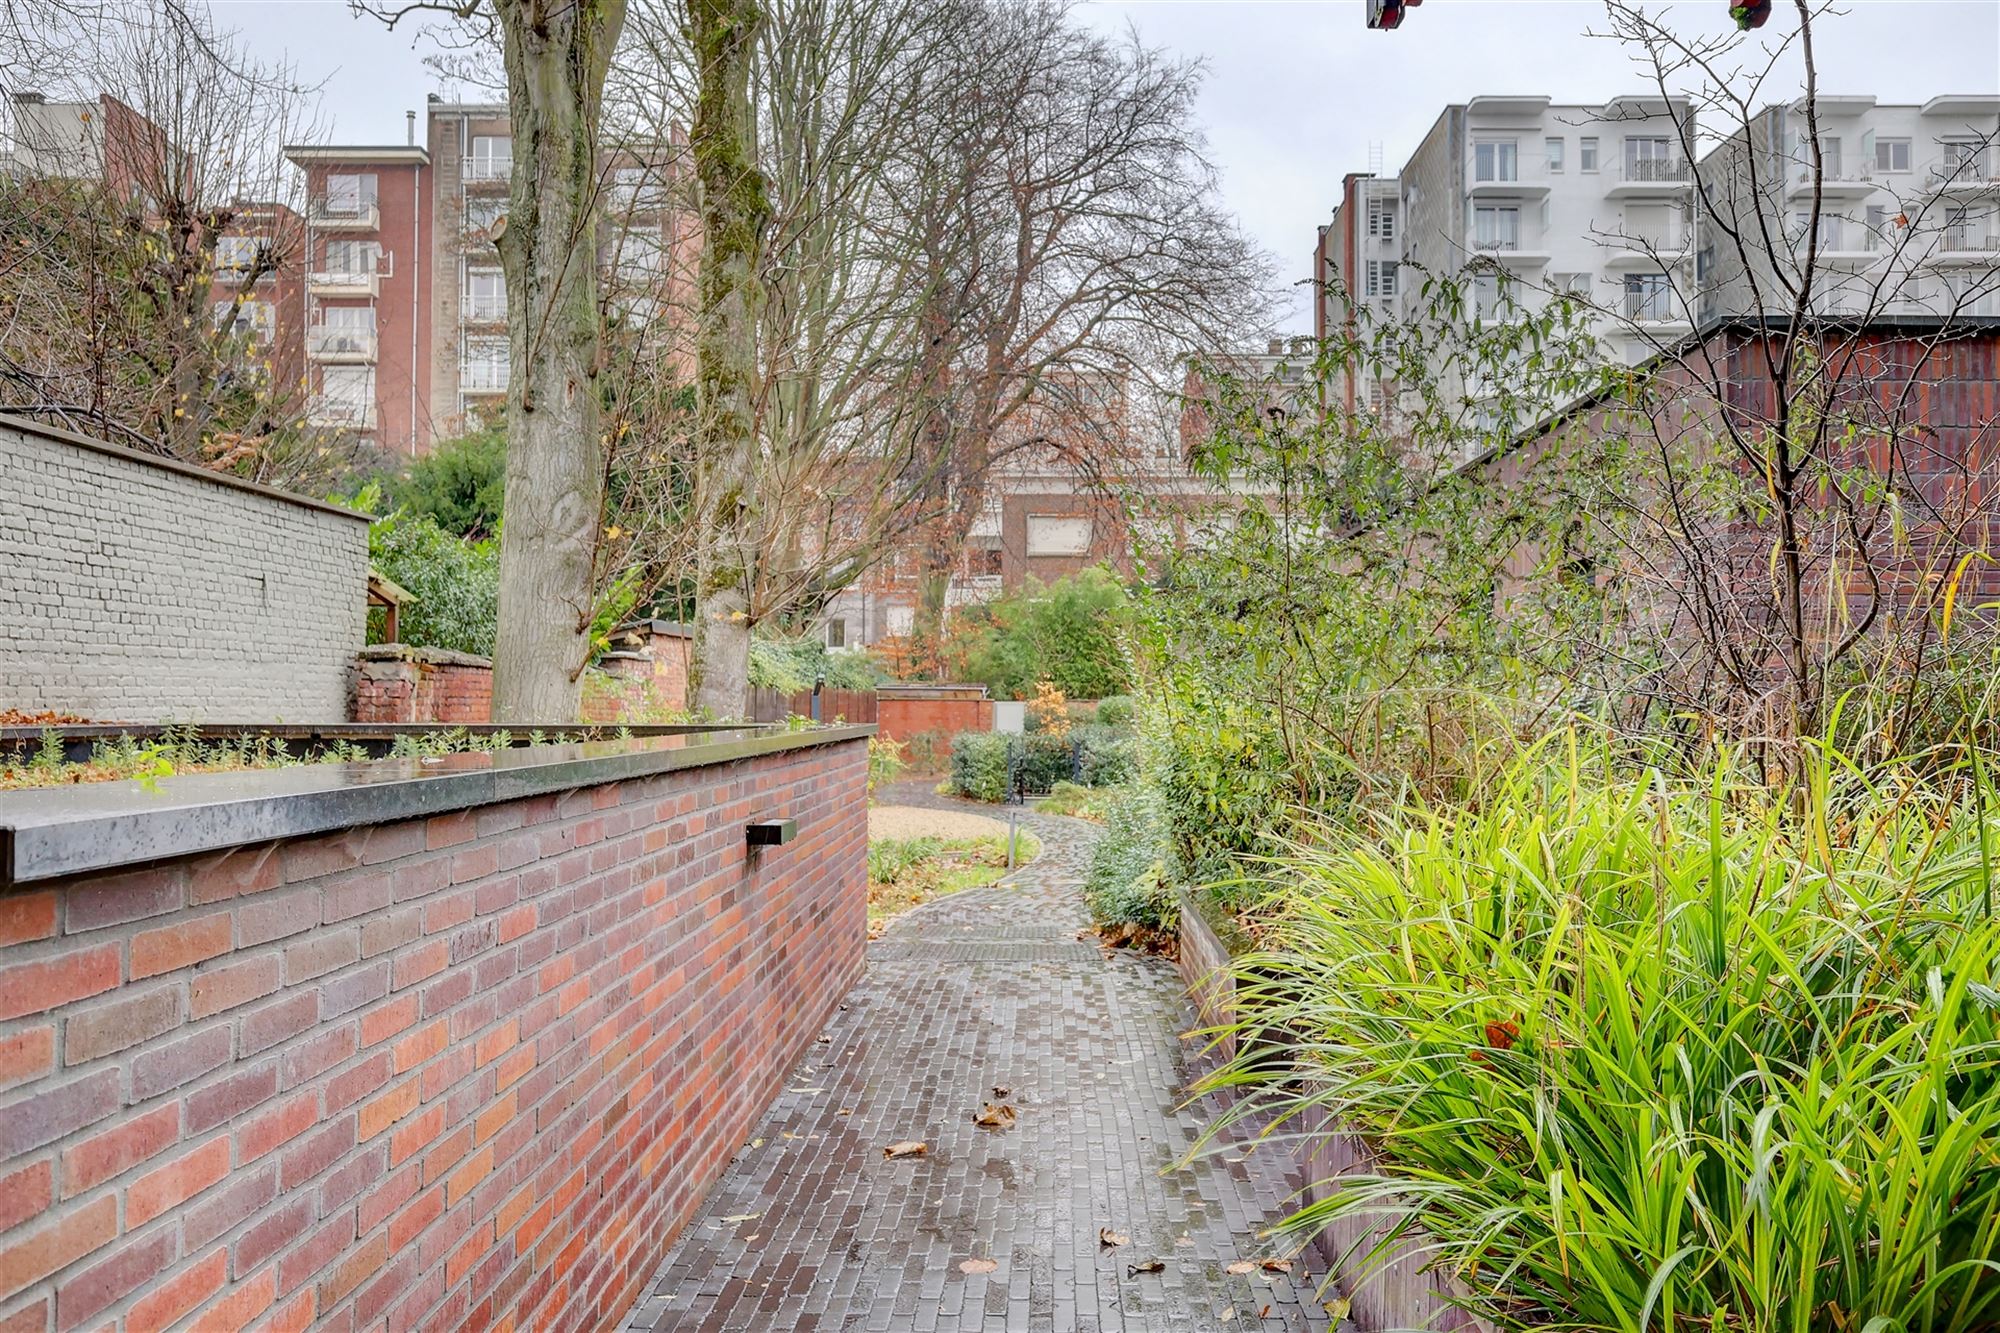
(769, 705)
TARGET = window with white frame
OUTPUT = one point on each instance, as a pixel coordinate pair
(491, 158)
(1553, 147)
(1648, 296)
(640, 256)
(481, 214)
(1058, 534)
(1878, 227)
(1381, 277)
(639, 187)
(1892, 154)
(344, 328)
(1486, 295)
(1382, 219)
(1496, 160)
(350, 195)
(352, 258)
(1963, 160)
(237, 252)
(485, 294)
(346, 396)
(1586, 153)
(1650, 158)
(1496, 228)
(248, 319)
(483, 366)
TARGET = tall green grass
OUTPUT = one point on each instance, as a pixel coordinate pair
(1642, 1050)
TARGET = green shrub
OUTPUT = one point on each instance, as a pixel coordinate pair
(455, 583)
(1105, 756)
(1120, 710)
(1078, 802)
(1067, 633)
(885, 762)
(1643, 1051)
(793, 665)
(1045, 760)
(1125, 881)
(982, 763)
(458, 485)
(891, 859)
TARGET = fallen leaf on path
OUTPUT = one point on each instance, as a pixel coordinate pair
(993, 1115)
(734, 1218)
(1240, 1267)
(1275, 1265)
(1111, 1239)
(1145, 1266)
(1227, 1315)
(1337, 1307)
(978, 1266)
(1001, 1090)
(908, 1148)
(1184, 1239)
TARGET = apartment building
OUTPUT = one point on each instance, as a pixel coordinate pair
(405, 304)
(1909, 215)
(1358, 262)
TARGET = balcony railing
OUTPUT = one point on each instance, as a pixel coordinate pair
(336, 344)
(324, 411)
(1969, 240)
(1652, 307)
(1976, 173)
(345, 282)
(1654, 170)
(489, 168)
(344, 214)
(483, 379)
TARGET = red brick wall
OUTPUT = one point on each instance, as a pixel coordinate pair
(470, 1071)
(901, 717)
(409, 691)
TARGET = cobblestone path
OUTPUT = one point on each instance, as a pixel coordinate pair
(812, 1229)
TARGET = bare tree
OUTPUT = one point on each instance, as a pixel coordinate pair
(154, 219)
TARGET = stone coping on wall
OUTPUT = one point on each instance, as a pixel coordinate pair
(403, 652)
(49, 833)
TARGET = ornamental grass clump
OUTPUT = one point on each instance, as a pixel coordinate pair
(1643, 1049)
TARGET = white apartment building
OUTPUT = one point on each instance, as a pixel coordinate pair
(1909, 215)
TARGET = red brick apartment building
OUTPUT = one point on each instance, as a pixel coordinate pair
(404, 306)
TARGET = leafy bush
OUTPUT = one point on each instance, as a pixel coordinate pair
(885, 762)
(1125, 881)
(1045, 759)
(458, 485)
(1105, 756)
(1120, 710)
(982, 763)
(1066, 633)
(456, 584)
(1642, 1050)
(793, 665)
(1079, 802)
(1048, 710)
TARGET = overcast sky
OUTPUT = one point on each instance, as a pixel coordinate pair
(1299, 92)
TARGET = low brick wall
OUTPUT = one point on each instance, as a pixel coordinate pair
(472, 1070)
(943, 711)
(1403, 1294)
(394, 683)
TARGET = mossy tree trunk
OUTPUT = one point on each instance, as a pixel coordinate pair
(556, 57)
(735, 209)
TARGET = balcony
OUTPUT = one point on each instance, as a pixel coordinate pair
(1661, 250)
(1519, 180)
(345, 282)
(1643, 178)
(1966, 245)
(1965, 178)
(479, 381)
(488, 170)
(1837, 183)
(340, 413)
(1510, 252)
(337, 345)
(344, 214)
(1659, 311)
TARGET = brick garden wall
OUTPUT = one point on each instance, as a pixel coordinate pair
(392, 683)
(943, 713)
(467, 1071)
(135, 589)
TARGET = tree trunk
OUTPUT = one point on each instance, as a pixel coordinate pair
(556, 58)
(734, 212)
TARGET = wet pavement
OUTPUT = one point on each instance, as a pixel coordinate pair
(812, 1228)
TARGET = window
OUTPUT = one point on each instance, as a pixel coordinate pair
(481, 214)
(1586, 154)
(248, 319)
(1892, 154)
(1554, 147)
(1382, 220)
(1648, 296)
(1649, 227)
(349, 196)
(1381, 277)
(237, 252)
(1878, 227)
(637, 188)
(1650, 159)
(346, 397)
(1829, 229)
(1058, 534)
(1496, 160)
(1964, 159)
(485, 294)
(1486, 292)
(484, 366)
(1496, 228)
(898, 621)
(641, 254)
(836, 633)
(985, 560)
(355, 258)
(491, 159)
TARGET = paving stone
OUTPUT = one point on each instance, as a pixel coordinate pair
(812, 1229)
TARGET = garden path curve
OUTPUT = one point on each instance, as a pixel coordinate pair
(812, 1229)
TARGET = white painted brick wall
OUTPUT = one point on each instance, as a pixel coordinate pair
(134, 592)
